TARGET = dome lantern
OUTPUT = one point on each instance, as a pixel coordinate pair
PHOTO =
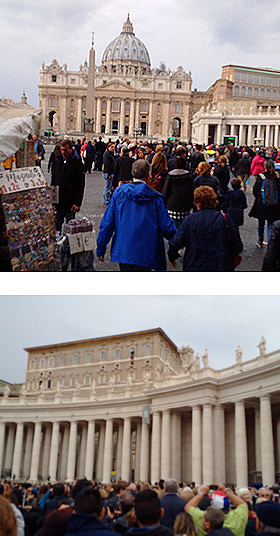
(126, 49)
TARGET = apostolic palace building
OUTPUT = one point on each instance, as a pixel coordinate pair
(135, 406)
(124, 96)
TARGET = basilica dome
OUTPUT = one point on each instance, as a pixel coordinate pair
(126, 48)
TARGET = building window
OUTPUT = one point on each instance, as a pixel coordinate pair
(262, 92)
(73, 80)
(101, 378)
(75, 359)
(73, 381)
(102, 355)
(49, 384)
(32, 364)
(144, 106)
(60, 381)
(250, 92)
(61, 360)
(179, 85)
(159, 86)
(115, 105)
(236, 90)
(256, 92)
(274, 94)
(263, 80)
(268, 93)
(115, 127)
(148, 349)
(243, 91)
(102, 129)
(53, 102)
(237, 76)
(117, 353)
(127, 107)
(87, 379)
(126, 129)
(42, 363)
(244, 77)
(104, 105)
(30, 386)
(50, 361)
(53, 77)
(117, 378)
(177, 108)
(88, 357)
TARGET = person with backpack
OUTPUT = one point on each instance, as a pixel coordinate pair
(39, 150)
(266, 207)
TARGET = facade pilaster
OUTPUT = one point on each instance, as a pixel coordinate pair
(165, 445)
(207, 443)
(259, 129)
(241, 456)
(89, 462)
(131, 116)
(98, 115)
(27, 452)
(126, 453)
(258, 440)
(166, 120)
(46, 452)
(232, 129)
(219, 451)
(63, 114)
(138, 451)
(35, 458)
(54, 452)
(100, 454)
(150, 122)
(64, 453)
(155, 451)
(108, 451)
(18, 450)
(108, 116)
(206, 133)
(267, 447)
(72, 451)
(119, 451)
(79, 113)
(144, 459)
(10, 447)
(2, 443)
(196, 445)
(121, 130)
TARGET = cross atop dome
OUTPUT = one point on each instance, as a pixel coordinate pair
(127, 27)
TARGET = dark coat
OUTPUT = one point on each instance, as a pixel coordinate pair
(54, 165)
(204, 234)
(234, 205)
(259, 210)
(208, 180)
(222, 174)
(271, 262)
(195, 159)
(158, 530)
(178, 191)
(243, 166)
(123, 169)
(71, 182)
(172, 505)
(86, 524)
(223, 531)
(108, 162)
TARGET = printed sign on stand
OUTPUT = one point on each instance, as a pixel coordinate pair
(21, 179)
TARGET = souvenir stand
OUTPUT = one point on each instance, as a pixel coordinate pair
(27, 222)
(77, 245)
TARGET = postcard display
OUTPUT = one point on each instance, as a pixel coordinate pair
(28, 221)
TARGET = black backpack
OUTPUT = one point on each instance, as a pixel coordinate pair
(269, 191)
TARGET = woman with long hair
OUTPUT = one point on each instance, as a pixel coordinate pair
(184, 525)
(159, 169)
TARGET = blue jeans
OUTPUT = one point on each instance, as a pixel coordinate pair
(261, 227)
(108, 188)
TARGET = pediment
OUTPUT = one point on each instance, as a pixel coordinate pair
(116, 84)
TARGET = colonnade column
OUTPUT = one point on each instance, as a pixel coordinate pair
(267, 135)
(100, 454)
(98, 115)
(267, 448)
(79, 113)
(126, 453)
(54, 452)
(27, 453)
(46, 452)
(276, 135)
(108, 116)
(71, 460)
(258, 440)
(206, 133)
(155, 451)
(35, 458)
(150, 122)
(137, 119)
(219, 133)
(144, 459)
(121, 129)
(219, 451)
(165, 445)
(82, 456)
(259, 127)
(138, 451)
(207, 443)
(119, 451)
(64, 453)
(131, 116)
(232, 130)
(18, 450)
(249, 138)
(196, 445)
(241, 459)
(2, 441)
(89, 462)
(241, 134)
(9, 448)
(108, 451)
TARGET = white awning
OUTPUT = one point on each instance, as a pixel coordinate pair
(15, 125)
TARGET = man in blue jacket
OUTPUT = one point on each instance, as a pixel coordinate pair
(138, 220)
(171, 503)
(89, 512)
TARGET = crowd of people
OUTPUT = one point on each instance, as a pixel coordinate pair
(167, 508)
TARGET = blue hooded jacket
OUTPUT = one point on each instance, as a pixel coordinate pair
(86, 525)
(138, 220)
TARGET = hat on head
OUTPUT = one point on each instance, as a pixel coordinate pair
(220, 500)
(269, 513)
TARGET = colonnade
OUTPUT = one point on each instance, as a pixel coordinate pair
(247, 132)
(133, 121)
(203, 443)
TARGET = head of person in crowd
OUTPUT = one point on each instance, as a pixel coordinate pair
(223, 160)
(171, 486)
(140, 154)
(89, 501)
(181, 151)
(121, 486)
(140, 169)
(268, 517)
(244, 493)
(132, 488)
(213, 518)
(126, 502)
(148, 510)
(235, 183)
(159, 161)
(184, 525)
(265, 493)
(198, 147)
(111, 147)
(181, 162)
(245, 155)
(56, 523)
(8, 522)
(124, 151)
(187, 493)
(203, 169)
(148, 148)
(66, 148)
(80, 484)
(271, 169)
(204, 197)
(58, 490)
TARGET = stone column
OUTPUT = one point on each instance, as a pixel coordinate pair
(131, 116)
(62, 114)
(27, 453)
(100, 454)
(126, 453)
(138, 452)
(267, 448)
(150, 122)
(175, 446)
(72, 447)
(54, 452)
(278, 444)
(165, 445)
(79, 113)
(18, 450)
(249, 140)
(144, 460)
(276, 136)
(207, 443)
(35, 458)
(98, 115)
(258, 463)
(165, 132)
(155, 451)
(241, 457)
(89, 463)
(64, 453)
(241, 134)
(108, 116)
(137, 116)
(206, 133)
(83, 446)
(108, 451)
(2, 443)
(196, 445)
(121, 130)
(219, 133)
(259, 128)
(267, 135)
(119, 451)
(10, 447)
(46, 452)
(219, 451)
(231, 130)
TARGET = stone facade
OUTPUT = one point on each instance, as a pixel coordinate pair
(135, 406)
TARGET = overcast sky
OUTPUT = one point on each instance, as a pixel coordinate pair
(197, 34)
(219, 323)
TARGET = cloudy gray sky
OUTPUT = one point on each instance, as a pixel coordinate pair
(197, 34)
(219, 323)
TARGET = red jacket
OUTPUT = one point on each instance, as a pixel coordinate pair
(257, 165)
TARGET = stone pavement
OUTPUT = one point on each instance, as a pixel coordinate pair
(92, 207)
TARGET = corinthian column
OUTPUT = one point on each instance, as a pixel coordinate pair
(241, 461)
(108, 451)
(219, 451)
(89, 464)
(207, 443)
(2, 440)
(196, 445)
(267, 448)
(121, 131)
(144, 460)
(18, 450)
(126, 454)
(98, 115)
(35, 458)
(108, 117)
(165, 445)
(54, 451)
(131, 117)
(71, 461)
(155, 452)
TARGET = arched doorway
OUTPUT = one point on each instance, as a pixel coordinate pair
(176, 127)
